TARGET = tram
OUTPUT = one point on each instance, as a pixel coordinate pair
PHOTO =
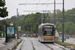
(46, 32)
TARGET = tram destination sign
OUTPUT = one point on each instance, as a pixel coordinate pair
(48, 29)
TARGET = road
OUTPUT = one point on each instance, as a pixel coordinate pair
(33, 44)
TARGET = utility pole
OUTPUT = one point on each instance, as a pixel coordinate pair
(54, 11)
(42, 18)
(63, 24)
(17, 23)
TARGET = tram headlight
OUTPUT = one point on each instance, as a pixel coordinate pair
(42, 38)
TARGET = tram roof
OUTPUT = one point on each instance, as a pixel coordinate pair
(46, 24)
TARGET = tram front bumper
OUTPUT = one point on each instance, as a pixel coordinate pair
(47, 40)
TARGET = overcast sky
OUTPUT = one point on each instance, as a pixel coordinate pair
(12, 5)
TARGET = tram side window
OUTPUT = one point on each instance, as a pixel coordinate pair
(40, 31)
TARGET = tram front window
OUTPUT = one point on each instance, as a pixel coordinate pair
(47, 33)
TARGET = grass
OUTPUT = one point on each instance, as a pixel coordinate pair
(64, 44)
(15, 46)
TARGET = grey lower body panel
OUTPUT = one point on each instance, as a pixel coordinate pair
(47, 40)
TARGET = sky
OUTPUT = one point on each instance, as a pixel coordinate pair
(12, 6)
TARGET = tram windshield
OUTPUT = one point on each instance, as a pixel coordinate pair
(48, 32)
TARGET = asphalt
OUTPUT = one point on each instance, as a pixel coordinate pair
(9, 45)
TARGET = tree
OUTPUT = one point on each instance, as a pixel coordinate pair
(69, 27)
(3, 9)
(2, 23)
(59, 26)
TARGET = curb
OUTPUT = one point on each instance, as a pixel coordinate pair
(20, 45)
(12, 47)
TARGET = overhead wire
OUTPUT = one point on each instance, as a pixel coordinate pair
(46, 11)
(48, 0)
(26, 6)
(37, 4)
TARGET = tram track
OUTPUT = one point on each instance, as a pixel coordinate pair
(32, 44)
(48, 46)
(35, 45)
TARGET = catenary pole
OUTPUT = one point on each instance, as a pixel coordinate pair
(63, 24)
(54, 11)
(17, 24)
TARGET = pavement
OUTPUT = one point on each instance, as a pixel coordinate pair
(70, 40)
(1, 42)
(9, 45)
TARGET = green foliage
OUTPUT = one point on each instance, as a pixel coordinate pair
(3, 10)
(64, 43)
(15, 46)
(69, 21)
(2, 3)
(1, 33)
(69, 27)
(1, 27)
(59, 26)
(30, 22)
(2, 24)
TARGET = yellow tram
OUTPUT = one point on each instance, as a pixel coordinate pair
(46, 32)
